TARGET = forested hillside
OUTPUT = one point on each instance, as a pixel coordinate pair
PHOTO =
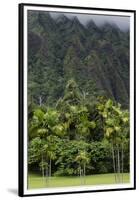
(78, 97)
(97, 58)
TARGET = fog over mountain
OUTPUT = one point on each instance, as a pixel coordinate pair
(123, 22)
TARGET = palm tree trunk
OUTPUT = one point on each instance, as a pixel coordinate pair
(84, 173)
(81, 175)
(42, 167)
(50, 166)
(46, 169)
(122, 161)
(118, 157)
(114, 166)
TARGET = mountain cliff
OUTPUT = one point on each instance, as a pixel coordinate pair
(59, 49)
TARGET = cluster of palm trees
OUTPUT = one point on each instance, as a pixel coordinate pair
(43, 134)
(70, 118)
(116, 129)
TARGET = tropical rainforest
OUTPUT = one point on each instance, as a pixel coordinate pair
(78, 97)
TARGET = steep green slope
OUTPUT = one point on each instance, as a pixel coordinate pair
(62, 48)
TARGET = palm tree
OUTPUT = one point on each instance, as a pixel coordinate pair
(115, 128)
(51, 151)
(36, 152)
(124, 120)
(82, 159)
(42, 126)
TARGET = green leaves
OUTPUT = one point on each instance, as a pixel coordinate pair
(51, 117)
(35, 150)
(109, 104)
(71, 135)
(115, 119)
(72, 94)
(42, 132)
(39, 114)
(92, 124)
(82, 158)
(109, 131)
(83, 129)
(59, 130)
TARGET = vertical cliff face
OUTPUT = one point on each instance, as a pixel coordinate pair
(62, 48)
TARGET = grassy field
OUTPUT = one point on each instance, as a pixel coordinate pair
(36, 181)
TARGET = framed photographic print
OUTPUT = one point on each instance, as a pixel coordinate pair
(76, 99)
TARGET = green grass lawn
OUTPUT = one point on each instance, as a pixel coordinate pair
(36, 181)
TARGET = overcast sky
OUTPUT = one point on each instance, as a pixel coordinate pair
(122, 22)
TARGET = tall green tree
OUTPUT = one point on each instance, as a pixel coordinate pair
(115, 123)
(82, 159)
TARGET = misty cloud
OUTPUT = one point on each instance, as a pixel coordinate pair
(123, 22)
